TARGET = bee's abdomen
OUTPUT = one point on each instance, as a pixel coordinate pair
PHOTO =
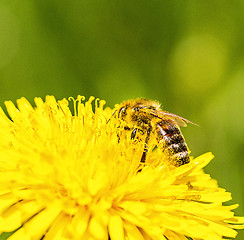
(174, 143)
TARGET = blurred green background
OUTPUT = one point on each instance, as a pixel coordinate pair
(189, 55)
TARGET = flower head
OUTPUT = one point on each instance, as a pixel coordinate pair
(65, 175)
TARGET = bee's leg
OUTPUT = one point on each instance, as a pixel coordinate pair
(125, 128)
(133, 134)
(111, 116)
(143, 158)
(118, 137)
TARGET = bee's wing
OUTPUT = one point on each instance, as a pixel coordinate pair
(167, 115)
(179, 120)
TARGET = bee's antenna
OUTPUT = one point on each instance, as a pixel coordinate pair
(111, 116)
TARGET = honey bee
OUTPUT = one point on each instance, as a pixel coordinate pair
(145, 117)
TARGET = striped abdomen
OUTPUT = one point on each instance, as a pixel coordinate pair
(173, 142)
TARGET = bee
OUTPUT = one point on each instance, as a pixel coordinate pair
(145, 117)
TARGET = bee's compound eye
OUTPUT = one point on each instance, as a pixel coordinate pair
(122, 111)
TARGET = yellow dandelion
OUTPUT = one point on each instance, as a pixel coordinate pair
(66, 176)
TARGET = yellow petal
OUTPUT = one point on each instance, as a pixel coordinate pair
(79, 223)
(116, 229)
(97, 228)
(132, 232)
(58, 229)
(36, 227)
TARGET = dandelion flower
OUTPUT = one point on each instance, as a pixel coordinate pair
(65, 175)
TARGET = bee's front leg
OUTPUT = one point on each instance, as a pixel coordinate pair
(133, 134)
(143, 158)
(126, 128)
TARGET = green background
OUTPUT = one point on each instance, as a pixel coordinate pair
(189, 55)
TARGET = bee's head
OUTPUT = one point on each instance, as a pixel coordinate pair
(133, 107)
(123, 111)
(129, 108)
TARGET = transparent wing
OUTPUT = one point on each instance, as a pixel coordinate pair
(180, 121)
